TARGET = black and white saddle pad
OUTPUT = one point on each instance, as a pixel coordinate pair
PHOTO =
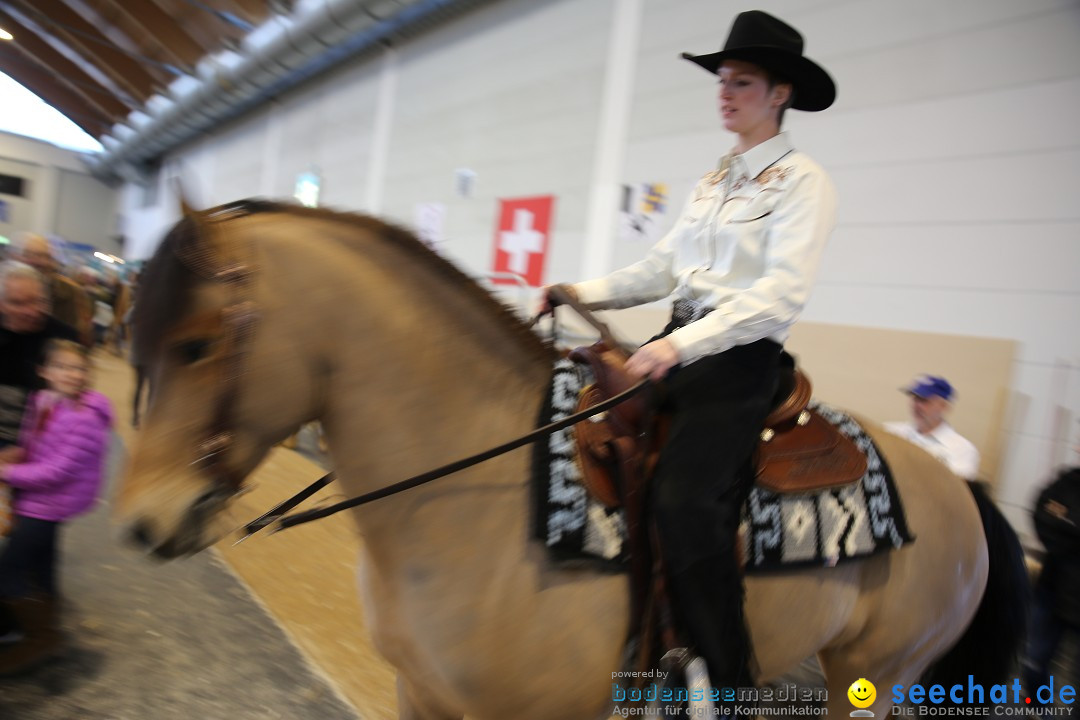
(819, 528)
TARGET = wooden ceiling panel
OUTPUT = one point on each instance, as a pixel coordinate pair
(202, 22)
(46, 86)
(65, 70)
(98, 60)
(253, 11)
(154, 32)
(63, 23)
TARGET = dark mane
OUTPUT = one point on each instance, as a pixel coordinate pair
(160, 297)
(166, 279)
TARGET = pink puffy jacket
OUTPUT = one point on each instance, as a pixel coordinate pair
(65, 456)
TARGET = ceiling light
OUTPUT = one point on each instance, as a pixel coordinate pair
(5, 35)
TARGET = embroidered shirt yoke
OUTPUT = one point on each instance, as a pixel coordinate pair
(747, 245)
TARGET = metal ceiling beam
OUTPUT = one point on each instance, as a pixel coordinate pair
(332, 33)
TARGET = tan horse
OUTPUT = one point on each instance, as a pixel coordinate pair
(409, 365)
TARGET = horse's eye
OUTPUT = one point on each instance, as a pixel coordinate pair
(193, 351)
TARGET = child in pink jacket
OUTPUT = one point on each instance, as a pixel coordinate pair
(64, 442)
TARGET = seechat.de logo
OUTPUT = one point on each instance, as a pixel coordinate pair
(862, 695)
(974, 698)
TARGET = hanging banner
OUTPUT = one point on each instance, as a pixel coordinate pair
(430, 219)
(641, 215)
(521, 237)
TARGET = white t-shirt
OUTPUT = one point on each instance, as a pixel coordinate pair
(944, 443)
(103, 313)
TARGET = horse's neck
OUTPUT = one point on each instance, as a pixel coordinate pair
(466, 525)
(421, 374)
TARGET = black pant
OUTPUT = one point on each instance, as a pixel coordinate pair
(719, 405)
(28, 560)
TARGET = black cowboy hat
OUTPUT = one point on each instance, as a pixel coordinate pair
(771, 43)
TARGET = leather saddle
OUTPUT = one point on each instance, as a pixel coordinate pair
(799, 450)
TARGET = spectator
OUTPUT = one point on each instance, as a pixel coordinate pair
(25, 328)
(103, 321)
(68, 298)
(931, 400)
(64, 440)
(1056, 610)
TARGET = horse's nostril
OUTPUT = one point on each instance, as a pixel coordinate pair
(140, 535)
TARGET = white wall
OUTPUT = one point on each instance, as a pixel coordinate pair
(952, 144)
(62, 198)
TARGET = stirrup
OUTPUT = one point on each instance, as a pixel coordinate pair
(696, 673)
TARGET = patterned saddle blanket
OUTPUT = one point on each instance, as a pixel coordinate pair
(786, 530)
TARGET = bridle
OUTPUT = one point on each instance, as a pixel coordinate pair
(240, 316)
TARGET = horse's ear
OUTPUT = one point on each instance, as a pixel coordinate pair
(186, 210)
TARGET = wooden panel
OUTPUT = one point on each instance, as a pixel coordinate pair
(154, 27)
(41, 53)
(66, 25)
(202, 23)
(254, 11)
(45, 85)
(862, 369)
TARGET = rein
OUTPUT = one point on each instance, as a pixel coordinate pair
(277, 515)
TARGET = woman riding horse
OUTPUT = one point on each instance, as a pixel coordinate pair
(740, 260)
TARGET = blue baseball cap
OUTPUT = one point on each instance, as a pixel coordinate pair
(929, 386)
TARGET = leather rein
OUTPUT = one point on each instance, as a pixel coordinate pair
(278, 517)
(239, 318)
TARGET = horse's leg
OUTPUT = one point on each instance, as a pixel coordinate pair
(916, 602)
(794, 614)
(416, 705)
(847, 665)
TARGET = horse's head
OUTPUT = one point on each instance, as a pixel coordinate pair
(226, 383)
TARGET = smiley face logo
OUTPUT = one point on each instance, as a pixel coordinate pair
(862, 693)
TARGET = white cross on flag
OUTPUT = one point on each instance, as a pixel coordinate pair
(521, 238)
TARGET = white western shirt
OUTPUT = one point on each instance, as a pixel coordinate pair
(944, 443)
(747, 244)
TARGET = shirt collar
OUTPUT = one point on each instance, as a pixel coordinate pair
(942, 432)
(754, 161)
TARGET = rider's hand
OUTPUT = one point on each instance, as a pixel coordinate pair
(653, 360)
(547, 303)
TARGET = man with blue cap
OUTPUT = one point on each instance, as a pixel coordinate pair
(931, 399)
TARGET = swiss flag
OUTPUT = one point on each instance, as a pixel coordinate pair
(521, 237)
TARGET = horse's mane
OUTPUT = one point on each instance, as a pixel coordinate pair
(163, 286)
(166, 277)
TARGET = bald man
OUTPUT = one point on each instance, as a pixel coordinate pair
(69, 302)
